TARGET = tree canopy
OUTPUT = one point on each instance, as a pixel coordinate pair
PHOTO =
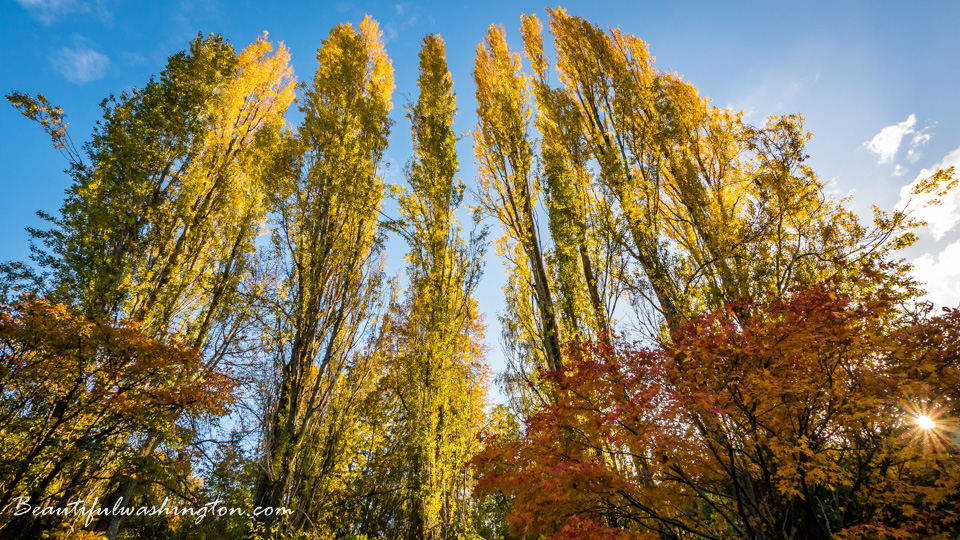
(701, 342)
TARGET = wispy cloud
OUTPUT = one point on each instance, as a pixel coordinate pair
(193, 15)
(132, 59)
(940, 218)
(80, 64)
(406, 18)
(919, 139)
(48, 11)
(390, 32)
(886, 143)
(940, 274)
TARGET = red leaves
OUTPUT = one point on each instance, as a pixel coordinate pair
(788, 412)
(577, 528)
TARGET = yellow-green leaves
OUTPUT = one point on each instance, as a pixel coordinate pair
(325, 190)
(438, 365)
(158, 226)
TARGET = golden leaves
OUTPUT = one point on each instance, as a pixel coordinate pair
(258, 94)
(380, 75)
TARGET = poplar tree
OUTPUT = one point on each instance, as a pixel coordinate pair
(588, 263)
(159, 223)
(509, 190)
(556, 292)
(326, 196)
(439, 384)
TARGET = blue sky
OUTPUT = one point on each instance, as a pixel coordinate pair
(877, 82)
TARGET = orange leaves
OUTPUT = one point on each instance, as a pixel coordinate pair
(565, 476)
(74, 390)
(49, 351)
(578, 528)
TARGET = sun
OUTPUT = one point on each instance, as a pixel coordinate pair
(925, 422)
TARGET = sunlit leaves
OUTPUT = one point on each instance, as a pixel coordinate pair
(159, 223)
(713, 210)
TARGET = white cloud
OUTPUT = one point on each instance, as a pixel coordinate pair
(941, 275)
(132, 59)
(898, 170)
(886, 143)
(940, 218)
(920, 138)
(748, 114)
(407, 17)
(47, 11)
(80, 64)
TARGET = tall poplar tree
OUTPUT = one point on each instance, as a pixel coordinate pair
(326, 196)
(509, 190)
(160, 219)
(439, 386)
(159, 223)
(556, 291)
(588, 264)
